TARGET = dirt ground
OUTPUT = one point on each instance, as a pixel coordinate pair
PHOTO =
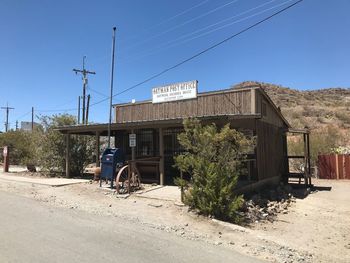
(315, 229)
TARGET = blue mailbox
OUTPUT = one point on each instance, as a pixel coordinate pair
(110, 160)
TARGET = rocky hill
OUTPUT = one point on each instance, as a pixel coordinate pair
(317, 109)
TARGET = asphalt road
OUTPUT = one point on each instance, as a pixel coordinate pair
(31, 231)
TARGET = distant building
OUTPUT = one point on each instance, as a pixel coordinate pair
(27, 125)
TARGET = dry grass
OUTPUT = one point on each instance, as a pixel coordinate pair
(316, 109)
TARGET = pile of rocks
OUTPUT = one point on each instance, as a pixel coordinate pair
(267, 204)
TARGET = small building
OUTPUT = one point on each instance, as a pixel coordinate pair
(157, 123)
(27, 125)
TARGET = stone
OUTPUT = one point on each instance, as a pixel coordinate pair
(155, 205)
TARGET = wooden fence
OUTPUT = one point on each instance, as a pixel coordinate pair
(334, 166)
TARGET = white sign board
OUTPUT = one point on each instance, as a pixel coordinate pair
(132, 140)
(4, 152)
(177, 91)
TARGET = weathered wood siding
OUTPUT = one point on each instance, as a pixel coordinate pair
(228, 102)
(271, 150)
(270, 115)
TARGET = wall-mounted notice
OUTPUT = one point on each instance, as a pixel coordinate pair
(177, 91)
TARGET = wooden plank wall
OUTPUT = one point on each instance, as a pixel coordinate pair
(271, 116)
(235, 102)
(271, 151)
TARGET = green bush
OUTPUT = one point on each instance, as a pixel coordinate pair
(214, 159)
(46, 147)
(21, 146)
(52, 149)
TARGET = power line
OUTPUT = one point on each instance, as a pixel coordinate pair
(173, 43)
(159, 24)
(182, 24)
(23, 115)
(237, 21)
(203, 51)
(190, 58)
(85, 74)
(173, 17)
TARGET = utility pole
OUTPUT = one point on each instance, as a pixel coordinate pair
(78, 109)
(32, 119)
(87, 109)
(7, 108)
(84, 73)
(16, 125)
(111, 94)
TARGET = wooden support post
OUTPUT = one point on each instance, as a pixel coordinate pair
(161, 154)
(97, 150)
(253, 101)
(133, 157)
(133, 148)
(68, 155)
(306, 176)
(308, 156)
(337, 166)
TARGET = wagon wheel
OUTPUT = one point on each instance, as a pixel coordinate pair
(122, 179)
(122, 185)
(135, 178)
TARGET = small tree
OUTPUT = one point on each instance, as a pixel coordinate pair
(215, 160)
(52, 148)
(22, 148)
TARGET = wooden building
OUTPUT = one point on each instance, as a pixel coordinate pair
(157, 125)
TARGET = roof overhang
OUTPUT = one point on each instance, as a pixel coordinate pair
(102, 129)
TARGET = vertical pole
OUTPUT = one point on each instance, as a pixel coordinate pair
(306, 175)
(78, 110)
(87, 109)
(133, 148)
(6, 154)
(161, 153)
(16, 125)
(7, 108)
(337, 166)
(129, 173)
(7, 117)
(111, 92)
(252, 101)
(97, 150)
(84, 90)
(67, 155)
(308, 156)
(32, 119)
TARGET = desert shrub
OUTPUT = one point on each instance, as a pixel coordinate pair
(343, 116)
(21, 146)
(214, 159)
(52, 149)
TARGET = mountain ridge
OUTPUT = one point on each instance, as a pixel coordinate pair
(316, 109)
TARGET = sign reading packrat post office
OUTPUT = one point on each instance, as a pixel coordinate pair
(177, 91)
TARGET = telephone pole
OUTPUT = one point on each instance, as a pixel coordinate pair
(85, 74)
(7, 108)
(111, 94)
(32, 119)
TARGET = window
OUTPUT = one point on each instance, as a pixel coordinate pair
(146, 143)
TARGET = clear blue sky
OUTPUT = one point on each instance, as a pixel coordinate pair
(307, 47)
